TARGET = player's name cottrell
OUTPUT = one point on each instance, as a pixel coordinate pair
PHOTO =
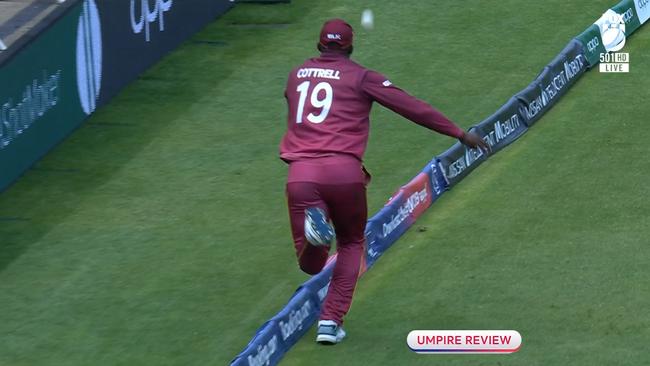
(314, 72)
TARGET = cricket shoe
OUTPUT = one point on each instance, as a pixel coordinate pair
(329, 332)
(318, 230)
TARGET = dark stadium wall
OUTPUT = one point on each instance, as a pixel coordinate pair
(79, 62)
(140, 34)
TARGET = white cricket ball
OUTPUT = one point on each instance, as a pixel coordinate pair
(367, 19)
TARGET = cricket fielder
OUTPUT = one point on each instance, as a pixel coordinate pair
(329, 99)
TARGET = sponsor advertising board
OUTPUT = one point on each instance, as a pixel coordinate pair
(143, 31)
(627, 10)
(503, 127)
(593, 44)
(39, 103)
(275, 337)
(458, 161)
(79, 63)
(401, 211)
(553, 82)
(643, 10)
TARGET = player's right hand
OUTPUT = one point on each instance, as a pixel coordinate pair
(474, 141)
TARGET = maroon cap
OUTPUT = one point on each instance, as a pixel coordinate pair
(337, 31)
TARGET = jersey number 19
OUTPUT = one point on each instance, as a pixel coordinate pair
(325, 103)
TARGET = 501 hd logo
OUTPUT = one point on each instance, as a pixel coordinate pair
(612, 34)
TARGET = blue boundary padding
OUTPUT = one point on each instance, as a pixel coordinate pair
(273, 339)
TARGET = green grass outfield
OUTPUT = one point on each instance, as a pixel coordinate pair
(157, 234)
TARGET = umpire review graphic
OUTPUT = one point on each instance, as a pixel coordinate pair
(464, 341)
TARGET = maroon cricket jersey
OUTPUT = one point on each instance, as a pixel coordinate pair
(329, 99)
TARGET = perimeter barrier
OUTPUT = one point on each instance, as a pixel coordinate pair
(87, 55)
(275, 337)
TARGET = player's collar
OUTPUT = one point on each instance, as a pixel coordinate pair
(333, 54)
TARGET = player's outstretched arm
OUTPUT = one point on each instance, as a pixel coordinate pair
(381, 90)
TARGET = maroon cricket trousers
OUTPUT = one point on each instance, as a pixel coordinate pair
(337, 185)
